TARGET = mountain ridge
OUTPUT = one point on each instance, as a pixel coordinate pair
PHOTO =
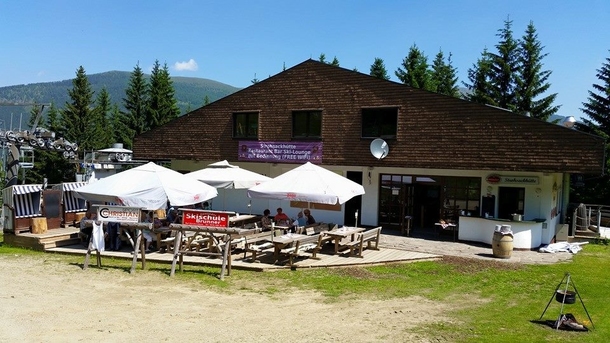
(190, 93)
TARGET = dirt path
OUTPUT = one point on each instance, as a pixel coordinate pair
(44, 300)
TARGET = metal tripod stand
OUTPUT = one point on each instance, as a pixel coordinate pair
(568, 280)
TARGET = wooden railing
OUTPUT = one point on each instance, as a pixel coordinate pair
(590, 217)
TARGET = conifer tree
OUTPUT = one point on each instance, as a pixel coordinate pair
(162, 105)
(480, 87)
(378, 69)
(101, 120)
(443, 77)
(77, 114)
(47, 163)
(120, 132)
(504, 68)
(533, 81)
(322, 58)
(414, 71)
(597, 107)
(597, 121)
(135, 102)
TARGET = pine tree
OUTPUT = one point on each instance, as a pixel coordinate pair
(480, 87)
(136, 98)
(597, 121)
(51, 164)
(120, 132)
(504, 68)
(206, 100)
(597, 107)
(443, 77)
(78, 113)
(335, 62)
(102, 112)
(533, 80)
(162, 105)
(322, 58)
(378, 69)
(415, 72)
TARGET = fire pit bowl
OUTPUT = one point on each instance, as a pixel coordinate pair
(566, 297)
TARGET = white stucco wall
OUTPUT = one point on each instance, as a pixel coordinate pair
(526, 235)
(540, 199)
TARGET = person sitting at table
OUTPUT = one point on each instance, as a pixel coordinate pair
(309, 217)
(148, 234)
(281, 218)
(266, 220)
(85, 231)
(172, 216)
(301, 220)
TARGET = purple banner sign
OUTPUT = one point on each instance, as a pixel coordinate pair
(280, 152)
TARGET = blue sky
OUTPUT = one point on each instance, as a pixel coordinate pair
(232, 41)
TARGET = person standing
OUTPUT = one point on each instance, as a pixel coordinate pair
(114, 237)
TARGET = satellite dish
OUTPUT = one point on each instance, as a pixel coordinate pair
(569, 122)
(379, 148)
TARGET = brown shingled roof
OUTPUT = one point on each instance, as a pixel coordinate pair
(434, 131)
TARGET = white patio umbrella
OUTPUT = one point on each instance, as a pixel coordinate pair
(310, 183)
(148, 186)
(224, 175)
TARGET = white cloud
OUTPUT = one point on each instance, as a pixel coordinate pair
(190, 65)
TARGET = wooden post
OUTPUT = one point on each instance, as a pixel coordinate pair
(88, 255)
(227, 247)
(177, 243)
(143, 249)
(136, 248)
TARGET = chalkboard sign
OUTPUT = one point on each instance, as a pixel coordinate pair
(488, 204)
(51, 200)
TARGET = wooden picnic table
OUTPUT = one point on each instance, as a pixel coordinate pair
(243, 219)
(340, 233)
(280, 242)
(216, 234)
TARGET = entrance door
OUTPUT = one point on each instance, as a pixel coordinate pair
(427, 205)
(354, 204)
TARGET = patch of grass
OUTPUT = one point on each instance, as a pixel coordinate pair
(491, 301)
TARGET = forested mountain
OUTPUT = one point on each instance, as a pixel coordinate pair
(190, 94)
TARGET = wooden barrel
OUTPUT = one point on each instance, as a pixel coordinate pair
(39, 225)
(502, 245)
(78, 216)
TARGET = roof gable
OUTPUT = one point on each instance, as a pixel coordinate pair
(434, 131)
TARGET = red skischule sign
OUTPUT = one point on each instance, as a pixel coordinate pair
(205, 218)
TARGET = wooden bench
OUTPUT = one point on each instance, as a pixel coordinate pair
(257, 243)
(368, 237)
(307, 244)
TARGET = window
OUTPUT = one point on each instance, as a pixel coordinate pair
(245, 125)
(379, 122)
(306, 124)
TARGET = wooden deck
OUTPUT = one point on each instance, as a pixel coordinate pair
(264, 261)
(65, 240)
(43, 241)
